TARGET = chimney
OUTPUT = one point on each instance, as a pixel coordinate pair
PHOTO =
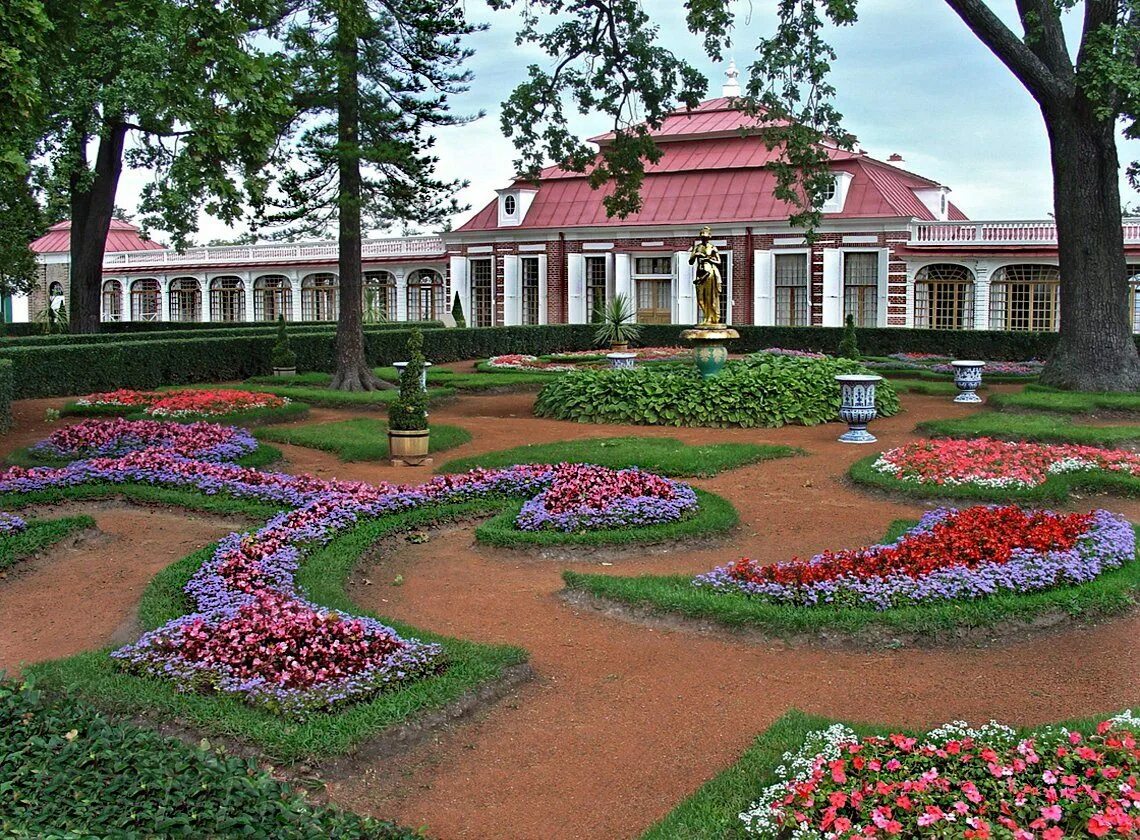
(895, 158)
(731, 80)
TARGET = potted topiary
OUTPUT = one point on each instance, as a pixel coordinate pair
(283, 358)
(617, 326)
(407, 417)
(848, 345)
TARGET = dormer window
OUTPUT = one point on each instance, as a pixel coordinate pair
(829, 192)
(835, 194)
(513, 204)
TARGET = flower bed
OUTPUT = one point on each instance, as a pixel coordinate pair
(11, 524)
(950, 555)
(187, 403)
(252, 633)
(586, 497)
(521, 361)
(956, 782)
(1030, 368)
(803, 354)
(100, 438)
(986, 462)
(577, 359)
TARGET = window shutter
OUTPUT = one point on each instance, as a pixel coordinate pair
(623, 279)
(832, 287)
(576, 281)
(459, 286)
(512, 297)
(686, 301)
(543, 303)
(884, 285)
(763, 293)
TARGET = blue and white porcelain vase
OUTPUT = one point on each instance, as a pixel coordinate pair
(621, 361)
(857, 406)
(968, 378)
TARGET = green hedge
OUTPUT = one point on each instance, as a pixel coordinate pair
(7, 388)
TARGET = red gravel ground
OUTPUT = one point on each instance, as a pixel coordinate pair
(623, 721)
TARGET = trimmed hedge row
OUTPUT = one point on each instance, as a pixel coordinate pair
(6, 391)
(58, 369)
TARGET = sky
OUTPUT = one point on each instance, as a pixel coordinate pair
(911, 79)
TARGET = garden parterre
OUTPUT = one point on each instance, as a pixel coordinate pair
(950, 555)
(101, 438)
(956, 782)
(183, 403)
(254, 635)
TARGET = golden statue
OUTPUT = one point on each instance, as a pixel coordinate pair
(706, 277)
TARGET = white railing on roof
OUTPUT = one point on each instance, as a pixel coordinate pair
(1029, 232)
(280, 252)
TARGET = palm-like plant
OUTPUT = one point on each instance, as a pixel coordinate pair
(617, 324)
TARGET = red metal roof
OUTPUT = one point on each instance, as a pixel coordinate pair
(713, 116)
(122, 236)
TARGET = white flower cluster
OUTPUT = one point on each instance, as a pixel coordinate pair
(1071, 465)
(958, 730)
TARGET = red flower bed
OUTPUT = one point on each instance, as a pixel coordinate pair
(187, 403)
(585, 485)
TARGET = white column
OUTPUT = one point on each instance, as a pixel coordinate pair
(982, 275)
(457, 268)
(164, 299)
(576, 281)
(685, 299)
(247, 292)
(763, 292)
(623, 279)
(295, 288)
(401, 275)
(832, 287)
(543, 303)
(512, 291)
(884, 294)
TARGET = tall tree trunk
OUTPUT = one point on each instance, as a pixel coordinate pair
(1096, 350)
(92, 206)
(352, 372)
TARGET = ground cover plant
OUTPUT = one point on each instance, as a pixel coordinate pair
(1029, 427)
(764, 390)
(359, 439)
(321, 395)
(812, 777)
(21, 538)
(663, 456)
(1042, 398)
(188, 405)
(984, 468)
(441, 378)
(67, 766)
(1013, 596)
(578, 360)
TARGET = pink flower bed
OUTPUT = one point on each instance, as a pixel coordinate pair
(521, 361)
(997, 463)
(957, 782)
(187, 403)
(802, 354)
(93, 438)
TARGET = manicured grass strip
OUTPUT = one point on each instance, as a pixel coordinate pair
(921, 386)
(1112, 593)
(322, 577)
(1032, 427)
(712, 813)
(362, 439)
(327, 398)
(663, 456)
(1056, 488)
(715, 516)
(40, 534)
(260, 457)
(69, 772)
(491, 379)
(220, 503)
(1042, 398)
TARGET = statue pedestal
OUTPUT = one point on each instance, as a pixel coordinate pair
(710, 346)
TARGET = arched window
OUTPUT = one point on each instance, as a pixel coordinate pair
(318, 297)
(145, 300)
(185, 299)
(272, 296)
(112, 300)
(379, 296)
(227, 299)
(427, 296)
(1134, 296)
(944, 297)
(1025, 297)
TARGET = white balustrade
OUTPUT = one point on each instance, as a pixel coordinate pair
(411, 246)
(1013, 232)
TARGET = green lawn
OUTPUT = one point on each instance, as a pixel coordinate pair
(1112, 593)
(40, 534)
(361, 439)
(443, 378)
(315, 394)
(1042, 428)
(929, 388)
(1042, 398)
(664, 456)
(712, 813)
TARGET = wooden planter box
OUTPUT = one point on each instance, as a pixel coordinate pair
(292, 371)
(408, 448)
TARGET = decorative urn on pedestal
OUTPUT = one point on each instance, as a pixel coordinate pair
(710, 337)
(857, 406)
(968, 378)
(622, 361)
(399, 366)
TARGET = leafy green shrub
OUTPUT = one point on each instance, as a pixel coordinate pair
(6, 387)
(408, 413)
(769, 390)
(283, 355)
(849, 344)
(65, 767)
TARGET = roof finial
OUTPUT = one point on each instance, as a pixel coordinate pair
(731, 80)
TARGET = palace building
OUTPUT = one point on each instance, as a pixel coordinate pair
(892, 250)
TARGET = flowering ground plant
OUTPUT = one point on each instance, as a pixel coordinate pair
(1030, 368)
(956, 781)
(184, 403)
(522, 361)
(986, 462)
(803, 354)
(950, 555)
(587, 497)
(98, 438)
(11, 524)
